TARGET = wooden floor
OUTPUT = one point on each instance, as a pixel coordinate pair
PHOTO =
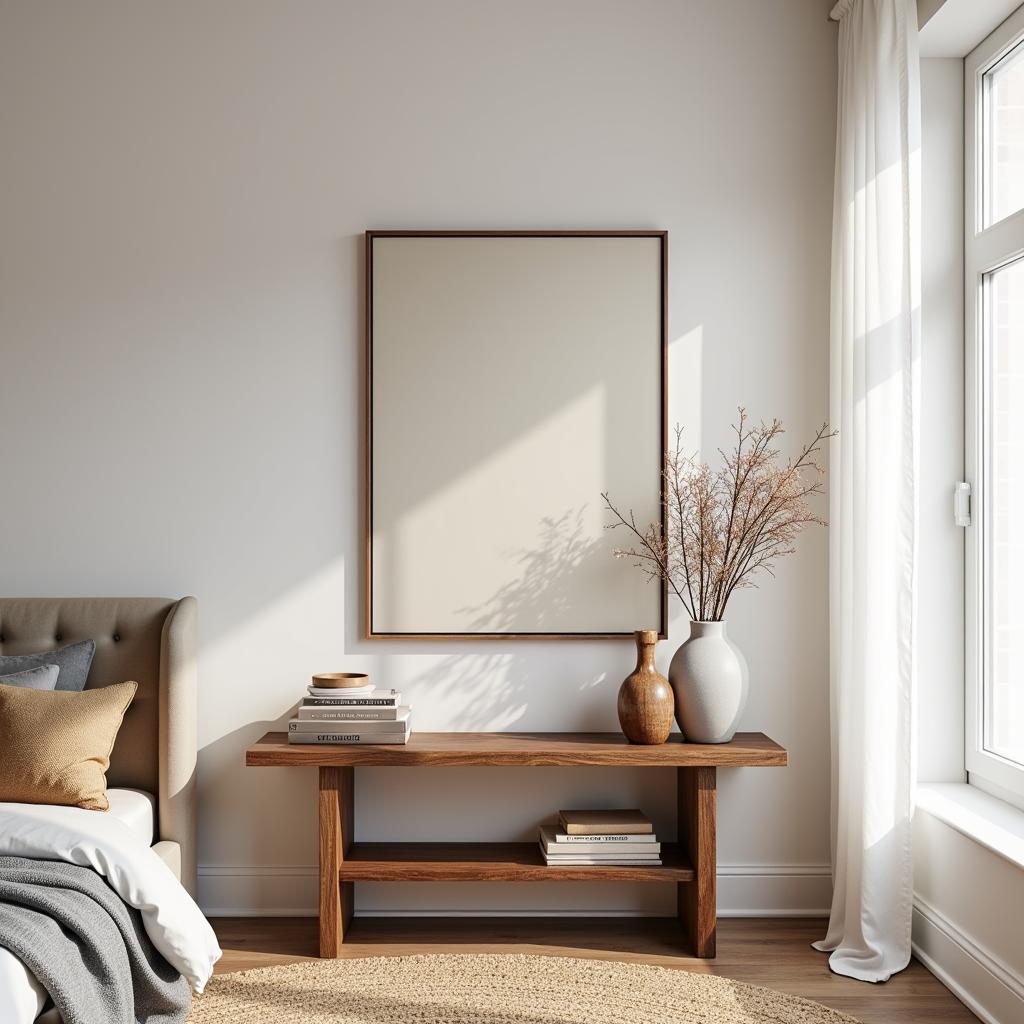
(775, 953)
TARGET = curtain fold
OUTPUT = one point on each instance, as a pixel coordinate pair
(874, 356)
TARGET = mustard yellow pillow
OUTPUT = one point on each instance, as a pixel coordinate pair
(55, 744)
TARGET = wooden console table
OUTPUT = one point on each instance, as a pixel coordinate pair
(689, 863)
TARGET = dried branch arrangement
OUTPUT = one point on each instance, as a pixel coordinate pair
(726, 527)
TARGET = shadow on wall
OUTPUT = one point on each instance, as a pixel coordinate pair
(491, 691)
(543, 589)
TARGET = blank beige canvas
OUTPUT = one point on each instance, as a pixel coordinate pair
(513, 380)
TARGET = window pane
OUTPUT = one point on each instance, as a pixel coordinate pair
(1004, 683)
(1004, 137)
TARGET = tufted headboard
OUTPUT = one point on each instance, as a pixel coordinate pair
(153, 641)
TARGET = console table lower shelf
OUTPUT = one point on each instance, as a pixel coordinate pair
(689, 863)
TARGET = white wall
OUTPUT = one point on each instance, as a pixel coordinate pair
(185, 187)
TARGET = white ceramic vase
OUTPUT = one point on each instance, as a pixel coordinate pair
(709, 678)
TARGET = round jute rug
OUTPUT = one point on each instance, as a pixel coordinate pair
(493, 989)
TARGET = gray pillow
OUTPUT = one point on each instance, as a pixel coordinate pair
(42, 678)
(73, 662)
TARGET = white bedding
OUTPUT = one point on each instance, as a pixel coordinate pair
(137, 809)
(116, 850)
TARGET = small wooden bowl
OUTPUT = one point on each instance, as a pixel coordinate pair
(340, 680)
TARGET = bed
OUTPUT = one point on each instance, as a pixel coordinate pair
(152, 775)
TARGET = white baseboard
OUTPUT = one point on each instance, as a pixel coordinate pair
(744, 890)
(227, 890)
(976, 976)
(774, 890)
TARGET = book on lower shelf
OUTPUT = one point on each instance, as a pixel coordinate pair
(606, 839)
(346, 716)
(549, 841)
(604, 822)
(595, 862)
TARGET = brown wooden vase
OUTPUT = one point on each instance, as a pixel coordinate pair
(646, 703)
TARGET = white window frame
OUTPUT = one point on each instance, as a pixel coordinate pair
(985, 250)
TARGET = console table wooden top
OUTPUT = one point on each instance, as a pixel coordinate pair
(506, 749)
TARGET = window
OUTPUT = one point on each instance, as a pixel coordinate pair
(994, 276)
(1003, 145)
(1003, 700)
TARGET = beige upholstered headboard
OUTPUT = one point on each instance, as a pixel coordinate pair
(153, 641)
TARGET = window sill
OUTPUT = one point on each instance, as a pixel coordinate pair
(990, 822)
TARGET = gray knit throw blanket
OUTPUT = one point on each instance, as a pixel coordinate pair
(88, 949)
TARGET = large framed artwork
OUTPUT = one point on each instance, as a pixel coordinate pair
(512, 377)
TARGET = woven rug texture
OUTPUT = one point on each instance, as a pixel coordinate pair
(493, 989)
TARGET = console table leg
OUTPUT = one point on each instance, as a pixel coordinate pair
(336, 819)
(698, 909)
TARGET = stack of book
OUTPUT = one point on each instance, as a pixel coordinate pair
(351, 715)
(600, 837)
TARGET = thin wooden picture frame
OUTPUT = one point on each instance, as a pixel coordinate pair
(370, 630)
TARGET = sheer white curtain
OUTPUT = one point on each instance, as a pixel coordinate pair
(875, 340)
